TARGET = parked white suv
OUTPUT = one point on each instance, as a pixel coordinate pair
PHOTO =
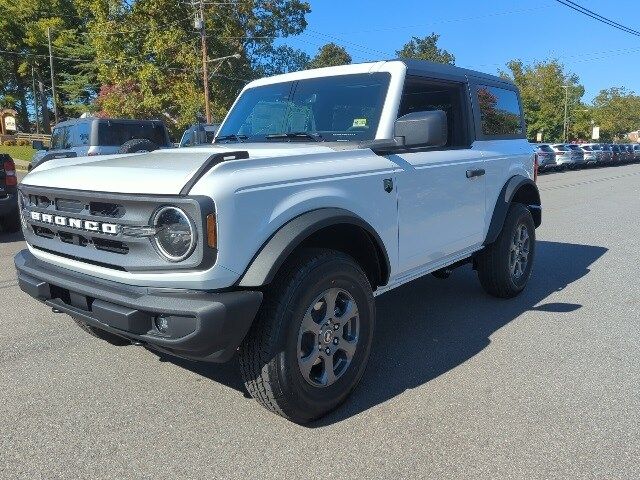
(323, 189)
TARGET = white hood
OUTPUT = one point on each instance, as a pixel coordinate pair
(160, 172)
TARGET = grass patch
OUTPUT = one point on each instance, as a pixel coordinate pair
(19, 153)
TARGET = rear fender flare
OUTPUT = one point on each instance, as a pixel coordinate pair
(505, 199)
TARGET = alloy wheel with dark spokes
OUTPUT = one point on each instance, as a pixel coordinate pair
(519, 251)
(328, 337)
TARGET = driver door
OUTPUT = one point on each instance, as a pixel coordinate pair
(441, 192)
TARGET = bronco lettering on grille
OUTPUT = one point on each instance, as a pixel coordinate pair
(76, 223)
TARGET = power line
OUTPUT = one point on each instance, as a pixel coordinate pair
(598, 17)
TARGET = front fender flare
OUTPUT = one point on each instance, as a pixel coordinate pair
(277, 249)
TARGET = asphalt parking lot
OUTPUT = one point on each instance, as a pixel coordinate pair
(460, 385)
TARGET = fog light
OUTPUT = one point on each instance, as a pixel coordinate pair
(162, 324)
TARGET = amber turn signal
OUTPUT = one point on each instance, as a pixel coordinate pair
(212, 231)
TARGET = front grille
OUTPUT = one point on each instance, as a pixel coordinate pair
(111, 246)
(109, 230)
(43, 232)
(102, 209)
(69, 206)
(73, 239)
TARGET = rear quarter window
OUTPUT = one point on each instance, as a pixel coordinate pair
(500, 112)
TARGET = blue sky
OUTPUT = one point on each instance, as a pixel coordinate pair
(485, 35)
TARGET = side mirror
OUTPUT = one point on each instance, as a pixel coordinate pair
(38, 145)
(422, 129)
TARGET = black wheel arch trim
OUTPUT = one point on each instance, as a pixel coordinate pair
(506, 197)
(275, 251)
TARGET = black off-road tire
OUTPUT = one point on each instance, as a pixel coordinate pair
(493, 263)
(269, 353)
(138, 145)
(102, 335)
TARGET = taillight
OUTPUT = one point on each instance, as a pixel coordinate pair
(11, 180)
(535, 167)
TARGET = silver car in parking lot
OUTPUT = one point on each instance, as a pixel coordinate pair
(636, 152)
(546, 157)
(593, 153)
(564, 156)
(578, 155)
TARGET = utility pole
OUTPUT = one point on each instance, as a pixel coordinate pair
(35, 100)
(566, 111)
(53, 82)
(199, 23)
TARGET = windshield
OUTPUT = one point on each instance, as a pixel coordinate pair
(561, 148)
(341, 108)
(60, 138)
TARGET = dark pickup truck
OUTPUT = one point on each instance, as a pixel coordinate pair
(9, 215)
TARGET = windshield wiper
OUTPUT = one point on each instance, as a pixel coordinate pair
(233, 136)
(316, 137)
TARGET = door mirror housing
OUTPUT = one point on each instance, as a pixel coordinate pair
(422, 129)
(38, 145)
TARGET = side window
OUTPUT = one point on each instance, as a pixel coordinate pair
(81, 134)
(500, 113)
(422, 95)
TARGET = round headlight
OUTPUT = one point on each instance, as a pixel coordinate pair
(175, 234)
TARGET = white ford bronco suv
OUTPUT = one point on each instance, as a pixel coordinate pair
(322, 189)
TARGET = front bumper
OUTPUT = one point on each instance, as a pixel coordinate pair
(202, 325)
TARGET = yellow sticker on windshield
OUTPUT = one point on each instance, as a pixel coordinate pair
(359, 122)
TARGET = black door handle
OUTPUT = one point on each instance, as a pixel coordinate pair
(475, 173)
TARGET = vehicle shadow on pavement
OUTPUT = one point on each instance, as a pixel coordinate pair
(227, 374)
(429, 326)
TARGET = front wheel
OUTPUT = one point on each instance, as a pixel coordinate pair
(504, 267)
(310, 342)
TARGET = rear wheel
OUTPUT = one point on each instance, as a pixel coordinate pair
(310, 342)
(504, 267)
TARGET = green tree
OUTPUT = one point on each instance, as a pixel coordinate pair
(330, 55)
(543, 86)
(24, 25)
(149, 60)
(426, 48)
(617, 112)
